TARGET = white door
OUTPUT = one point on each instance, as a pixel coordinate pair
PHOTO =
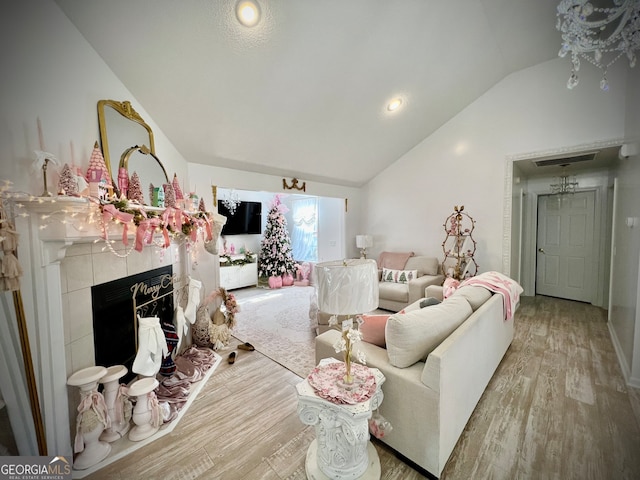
(565, 246)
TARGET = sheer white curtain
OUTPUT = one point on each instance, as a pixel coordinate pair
(304, 238)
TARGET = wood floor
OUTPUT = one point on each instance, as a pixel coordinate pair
(557, 408)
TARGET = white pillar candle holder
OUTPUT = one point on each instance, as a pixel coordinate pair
(146, 414)
(92, 418)
(117, 406)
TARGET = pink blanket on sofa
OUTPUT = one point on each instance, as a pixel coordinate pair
(499, 283)
(393, 260)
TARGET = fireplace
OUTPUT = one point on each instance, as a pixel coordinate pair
(115, 306)
(63, 257)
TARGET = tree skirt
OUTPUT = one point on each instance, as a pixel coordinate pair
(279, 325)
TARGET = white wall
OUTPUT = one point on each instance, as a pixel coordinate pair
(464, 161)
(624, 312)
(50, 72)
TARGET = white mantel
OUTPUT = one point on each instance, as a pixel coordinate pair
(40, 253)
(50, 227)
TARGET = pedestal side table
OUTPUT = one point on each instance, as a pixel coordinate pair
(341, 449)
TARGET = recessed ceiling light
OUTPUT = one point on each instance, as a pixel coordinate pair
(248, 12)
(394, 104)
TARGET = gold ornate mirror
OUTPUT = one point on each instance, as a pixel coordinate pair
(148, 167)
(127, 141)
(121, 127)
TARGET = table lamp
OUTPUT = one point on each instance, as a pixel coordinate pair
(347, 287)
(363, 242)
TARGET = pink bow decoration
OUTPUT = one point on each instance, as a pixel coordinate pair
(173, 217)
(90, 401)
(145, 232)
(110, 212)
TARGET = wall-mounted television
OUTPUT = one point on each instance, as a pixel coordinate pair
(247, 219)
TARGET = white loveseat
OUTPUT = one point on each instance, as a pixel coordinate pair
(394, 296)
(437, 363)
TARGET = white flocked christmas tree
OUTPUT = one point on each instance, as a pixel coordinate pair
(275, 248)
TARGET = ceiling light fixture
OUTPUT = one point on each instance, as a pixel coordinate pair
(248, 12)
(394, 104)
(599, 35)
(564, 183)
(231, 201)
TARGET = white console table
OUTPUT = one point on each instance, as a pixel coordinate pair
(237, 276)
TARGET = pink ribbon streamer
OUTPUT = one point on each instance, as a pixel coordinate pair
(121, 397)
(156, 410)
(110, 212)
(208, 229)
(145, 232)
(173, 217)
(90, 401)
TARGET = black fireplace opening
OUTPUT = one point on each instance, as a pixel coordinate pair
(116, 305)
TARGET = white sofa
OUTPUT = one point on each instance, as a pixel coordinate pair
(395, 296)
(437, 363)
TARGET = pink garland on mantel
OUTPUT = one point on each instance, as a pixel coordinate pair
(171, 218)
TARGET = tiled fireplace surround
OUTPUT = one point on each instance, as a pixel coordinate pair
(60, 265)
(86, 265)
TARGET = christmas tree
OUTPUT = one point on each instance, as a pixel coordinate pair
(201, 206)
(169, 195)
(135, 191)
(275, 248)
(68, 184)
(176, 188)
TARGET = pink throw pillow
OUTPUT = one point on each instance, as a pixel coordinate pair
(373, 329)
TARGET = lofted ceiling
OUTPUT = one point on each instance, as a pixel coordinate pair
(304, 93)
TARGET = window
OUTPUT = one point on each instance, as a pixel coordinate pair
(304, 234)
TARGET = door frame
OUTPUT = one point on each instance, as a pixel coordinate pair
(599, 272)
(592, 282)
(511, 262)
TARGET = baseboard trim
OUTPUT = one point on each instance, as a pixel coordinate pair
(624, 366)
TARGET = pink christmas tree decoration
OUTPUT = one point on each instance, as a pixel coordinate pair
(176, 188)
(276, 257)
(169, 196)
(201, 206)
(67, 184)
(97, 168)
(135, 191)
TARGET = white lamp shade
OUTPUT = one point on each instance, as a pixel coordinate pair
(364, 241)
(347, 287)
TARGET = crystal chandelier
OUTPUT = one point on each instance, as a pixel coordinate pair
(564, 184)
(231, 202)
(599, 34)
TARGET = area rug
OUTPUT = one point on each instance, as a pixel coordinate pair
(280, 324)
